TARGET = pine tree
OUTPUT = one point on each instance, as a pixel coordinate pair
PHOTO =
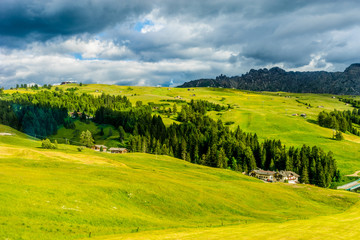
(234, 165)
(86, 138)
(144, 144)
(188, 157)
(164, 150)
(203, 159)
(183, 149)
(221, 159)
(174, 109)
(304, 178)
(121, 133)
(171, 152)
(272, 165)
(196, 154)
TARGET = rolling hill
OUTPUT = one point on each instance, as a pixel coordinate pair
(67, 194)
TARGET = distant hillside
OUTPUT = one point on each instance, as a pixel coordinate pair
(277, 79)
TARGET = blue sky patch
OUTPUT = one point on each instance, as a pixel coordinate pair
(141, 25)
(77, 56)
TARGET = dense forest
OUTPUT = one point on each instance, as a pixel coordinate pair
(30, 119)
(41, 114)
(197, 138)
(71, 101)
(277, 79)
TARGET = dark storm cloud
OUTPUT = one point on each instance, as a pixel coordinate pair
(45, 19)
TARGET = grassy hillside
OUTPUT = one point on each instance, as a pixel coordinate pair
(270, 115)
(340, 226)
(66, 194)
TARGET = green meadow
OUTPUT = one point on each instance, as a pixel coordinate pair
(67, 194)
(339, 226)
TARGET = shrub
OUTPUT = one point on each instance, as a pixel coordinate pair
(46, 143)
(339, 136)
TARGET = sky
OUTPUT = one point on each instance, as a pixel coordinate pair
(166, 42)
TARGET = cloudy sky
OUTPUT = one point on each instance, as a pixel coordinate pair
(165, 42)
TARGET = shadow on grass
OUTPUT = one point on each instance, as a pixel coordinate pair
(329, 138)
(312, 121)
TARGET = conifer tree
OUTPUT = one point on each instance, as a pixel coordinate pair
(86, 138)
(234, 165)
(121, 133)
(304, 177)
(183, 149)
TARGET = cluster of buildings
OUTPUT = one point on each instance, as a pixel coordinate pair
(278, 176)
(109, 150)
(79, 114)
(67, 82)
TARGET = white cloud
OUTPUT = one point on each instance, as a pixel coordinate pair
(317, 63)
(24, 66)
(88, 47)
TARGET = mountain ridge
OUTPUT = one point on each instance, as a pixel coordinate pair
(277, 79)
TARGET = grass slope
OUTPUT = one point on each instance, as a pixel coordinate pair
(339, 226)
(66, 194)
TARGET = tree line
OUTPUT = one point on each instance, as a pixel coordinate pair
(341, 120)
(41, 114)
(85, 103)
(353, 102)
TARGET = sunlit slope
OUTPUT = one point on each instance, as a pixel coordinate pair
(339, 226)
(270, 115)
(66, 194)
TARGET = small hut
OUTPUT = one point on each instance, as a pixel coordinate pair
(98, 147)
(118, 150)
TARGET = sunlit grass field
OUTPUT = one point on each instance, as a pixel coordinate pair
(339, 226)
(67, 194)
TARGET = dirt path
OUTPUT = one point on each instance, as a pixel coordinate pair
(355, 174)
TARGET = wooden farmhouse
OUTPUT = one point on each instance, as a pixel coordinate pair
(271, 176)
(263, 175)
(288, 176)
(118, 150)
(97, 147)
